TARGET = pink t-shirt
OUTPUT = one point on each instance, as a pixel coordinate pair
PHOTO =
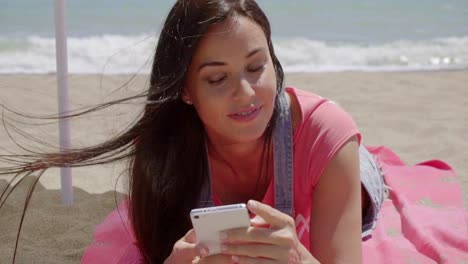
(323, 129)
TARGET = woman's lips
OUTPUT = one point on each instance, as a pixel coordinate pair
(247, 114)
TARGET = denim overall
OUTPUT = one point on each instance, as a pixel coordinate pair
(371, 175)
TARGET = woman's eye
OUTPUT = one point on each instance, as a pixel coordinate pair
(257, 69)
(217, 81)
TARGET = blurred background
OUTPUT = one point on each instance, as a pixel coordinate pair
(399, 67)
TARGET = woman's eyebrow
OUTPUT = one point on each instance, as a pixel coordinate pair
(253, 52)
(211, 63)
(220, 63)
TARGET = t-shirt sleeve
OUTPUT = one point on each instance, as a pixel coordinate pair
(326, 130)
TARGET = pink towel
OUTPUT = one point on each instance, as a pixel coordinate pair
(423, 221)
(113, 240)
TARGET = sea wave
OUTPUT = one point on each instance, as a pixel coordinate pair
(117, 54)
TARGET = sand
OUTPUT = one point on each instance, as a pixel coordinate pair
(420, 115)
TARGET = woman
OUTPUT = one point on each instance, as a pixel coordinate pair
(219, 127)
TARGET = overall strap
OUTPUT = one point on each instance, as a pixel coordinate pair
(283, 153)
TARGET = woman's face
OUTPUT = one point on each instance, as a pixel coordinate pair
(231, 81)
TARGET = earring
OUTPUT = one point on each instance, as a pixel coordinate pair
(188, 102)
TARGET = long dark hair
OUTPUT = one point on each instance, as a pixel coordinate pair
(166, 147)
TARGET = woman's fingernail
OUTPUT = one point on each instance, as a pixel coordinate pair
(223, 236)
(203, 252)
(252, 204)
(224, 248)
(256, 220)
(235, 259)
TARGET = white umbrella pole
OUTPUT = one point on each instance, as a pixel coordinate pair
(62, 92)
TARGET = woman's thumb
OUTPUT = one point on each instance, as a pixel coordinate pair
(258, 221)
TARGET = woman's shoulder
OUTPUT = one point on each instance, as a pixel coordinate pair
(304, 102)
(304, 96)
(312, 109)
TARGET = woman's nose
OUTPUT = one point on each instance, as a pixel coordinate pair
(244, 90)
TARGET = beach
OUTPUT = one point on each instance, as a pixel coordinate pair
(420, 115)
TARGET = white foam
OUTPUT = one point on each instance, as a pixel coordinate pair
(302, 55)
(108, 54)
(114, 54)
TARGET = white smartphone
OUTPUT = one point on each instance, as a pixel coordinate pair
(210, 221)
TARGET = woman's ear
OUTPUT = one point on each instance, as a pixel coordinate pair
(186, 97)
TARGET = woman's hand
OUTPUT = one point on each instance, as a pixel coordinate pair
(271, 238)
(186, 250)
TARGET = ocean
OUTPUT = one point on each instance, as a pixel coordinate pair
(116, 36)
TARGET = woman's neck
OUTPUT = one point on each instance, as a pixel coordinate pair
(241, 166)
(245, 155)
